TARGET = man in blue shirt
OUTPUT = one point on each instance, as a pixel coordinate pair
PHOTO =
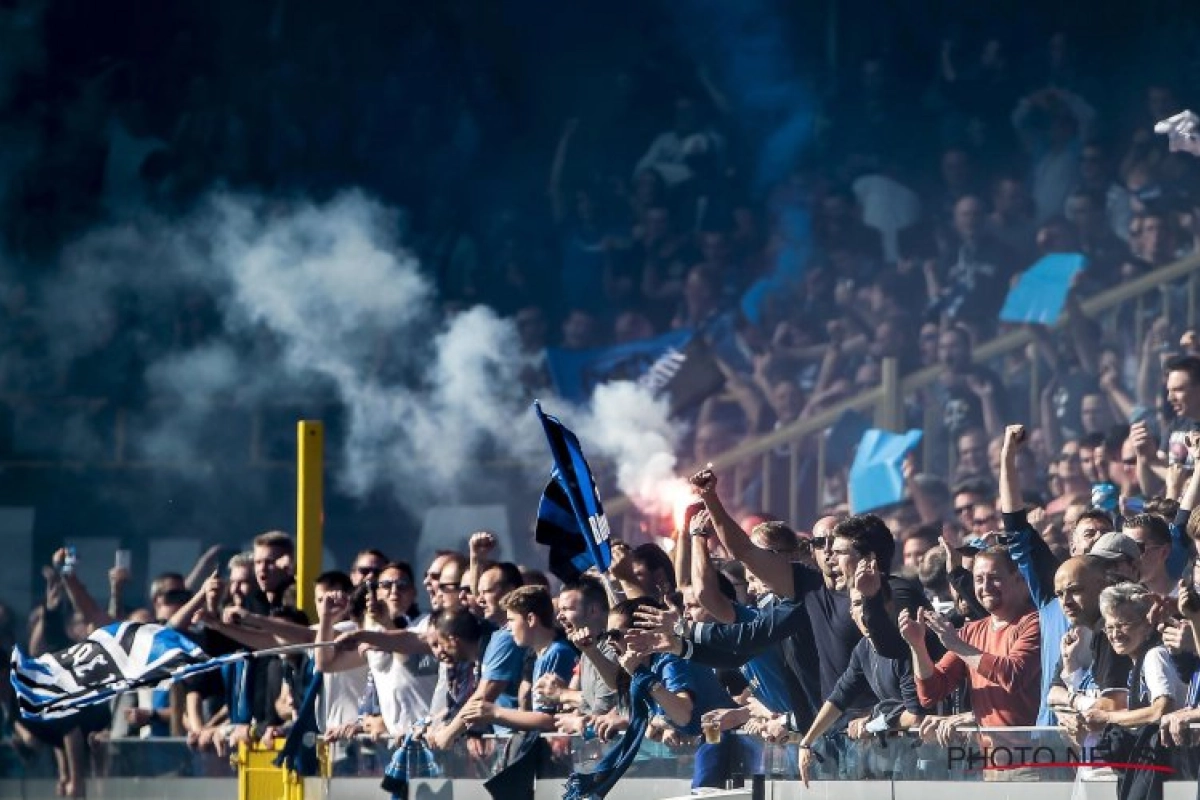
(503, 659)
(530, 617)
(766, 673)
(685, 692)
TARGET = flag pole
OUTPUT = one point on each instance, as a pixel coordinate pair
(614, 594)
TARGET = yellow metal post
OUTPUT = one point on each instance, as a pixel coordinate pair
(310, 454)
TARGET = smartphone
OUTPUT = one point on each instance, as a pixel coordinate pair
(123, 560)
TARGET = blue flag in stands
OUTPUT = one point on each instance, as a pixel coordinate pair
(877, 474)
(113, 659)
(1040, 293)
(570, 517)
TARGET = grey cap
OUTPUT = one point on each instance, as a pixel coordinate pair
(1115, 546)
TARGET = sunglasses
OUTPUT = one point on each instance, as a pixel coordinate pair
(983, 520)
(967, 509)
(1129, 462)
(448, 587)
(818, 542)
(387, 586)
(368, 570)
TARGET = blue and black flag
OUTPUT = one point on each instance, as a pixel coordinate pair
(114, 659)
(571, 518)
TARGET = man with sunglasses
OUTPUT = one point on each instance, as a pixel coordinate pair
(367, 566)
(818, 599)
(447, 593)
(432, 575)
(968, 495)
(1153, 537)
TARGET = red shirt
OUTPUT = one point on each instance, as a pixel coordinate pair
(1005, 688)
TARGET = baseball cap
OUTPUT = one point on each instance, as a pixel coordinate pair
(1115, 546)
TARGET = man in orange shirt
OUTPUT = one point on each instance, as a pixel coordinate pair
(1000, 655)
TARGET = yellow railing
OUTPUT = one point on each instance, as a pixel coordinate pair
(885, 403)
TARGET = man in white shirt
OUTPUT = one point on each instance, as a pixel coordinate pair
(395, 650)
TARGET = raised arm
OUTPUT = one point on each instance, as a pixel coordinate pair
(334, 659)
(207, 597)
(1118, 399)
(481, 546)
(80, 597)
(118, 579)
(1150, 470)
(681, 556)
(745, 640)
(705, 585)
(280, 630)
(1011, 499)
(768, 567)
(203, 567)
(1036, 562)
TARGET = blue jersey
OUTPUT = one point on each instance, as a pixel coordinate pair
(700, 682)
(766, 673)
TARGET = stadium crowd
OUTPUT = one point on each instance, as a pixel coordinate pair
(1082, 619)
(1040, 570)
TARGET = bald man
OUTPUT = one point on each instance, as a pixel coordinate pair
(1088, 671)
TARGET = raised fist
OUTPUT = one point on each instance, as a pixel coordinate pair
(705, 482)
(482, 544)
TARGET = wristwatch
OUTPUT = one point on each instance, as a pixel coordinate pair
(682, 628)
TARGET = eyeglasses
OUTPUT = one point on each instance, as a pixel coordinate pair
(387, 586)
(1129, 462)
(448, 587)
(978, 521)
(1121, 627)
(465, 589)
(368, 570)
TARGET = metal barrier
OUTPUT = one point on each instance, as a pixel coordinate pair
(1171, 292)
(895, 766)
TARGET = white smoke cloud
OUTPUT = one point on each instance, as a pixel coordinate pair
(321, 300)
(632, 428)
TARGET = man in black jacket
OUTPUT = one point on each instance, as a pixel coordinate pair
(860, 549)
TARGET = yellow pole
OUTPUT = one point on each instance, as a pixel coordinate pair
(310, 449)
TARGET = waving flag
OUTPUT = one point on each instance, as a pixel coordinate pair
(570, 517)
(113, 659)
